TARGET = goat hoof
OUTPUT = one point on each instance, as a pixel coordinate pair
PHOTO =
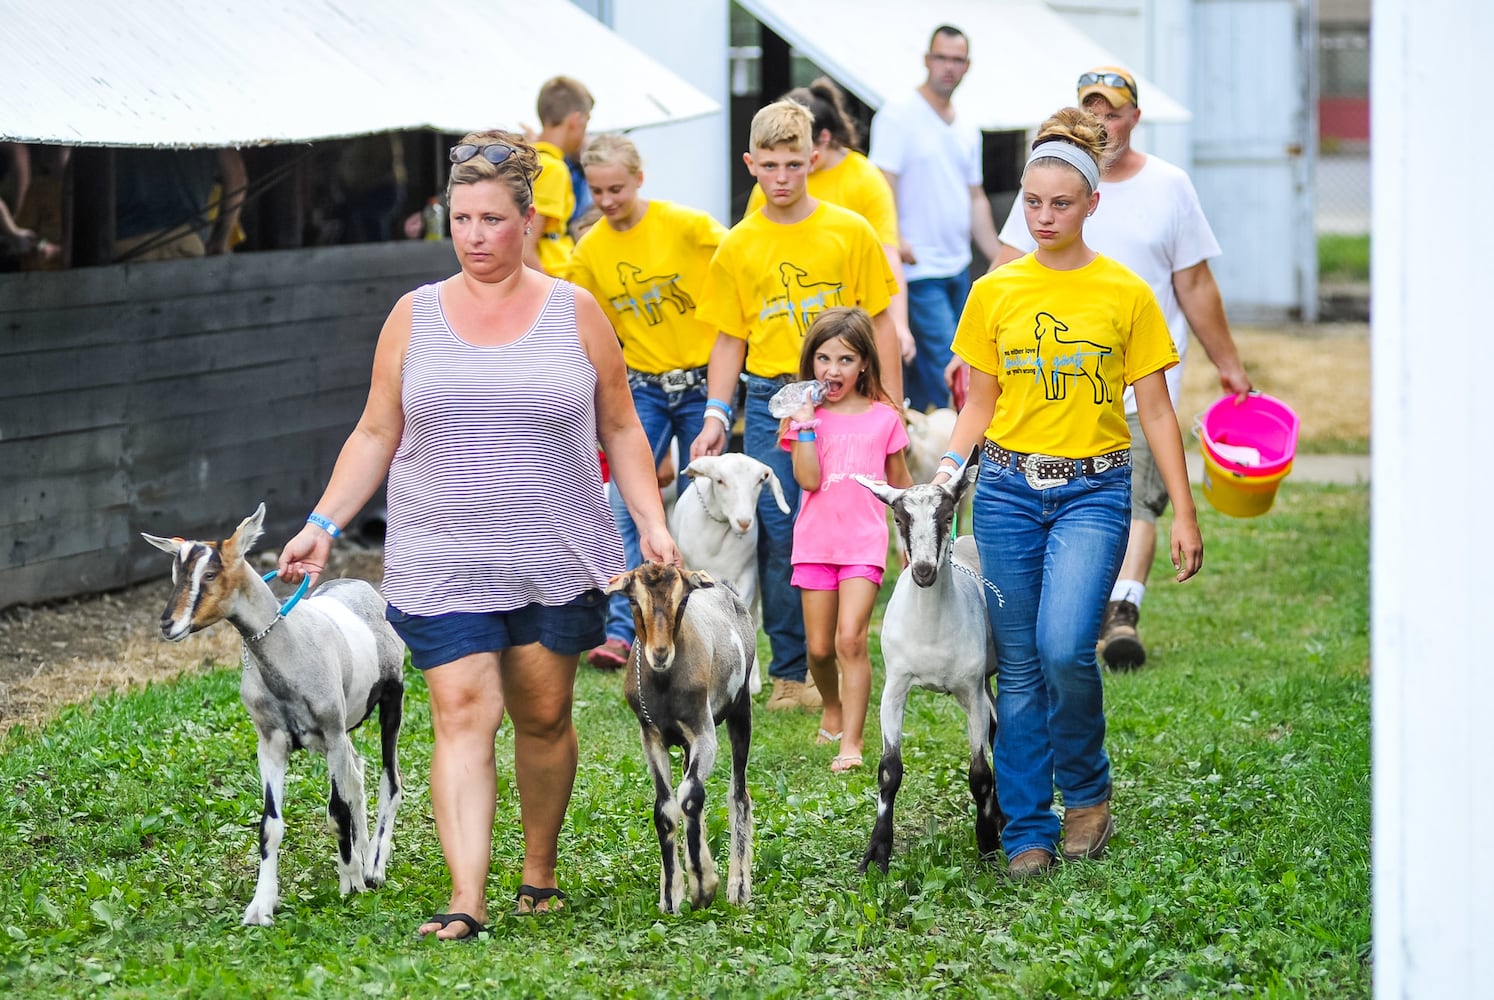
(257, 916)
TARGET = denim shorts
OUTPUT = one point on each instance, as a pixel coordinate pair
(574, 627)
(824, 576)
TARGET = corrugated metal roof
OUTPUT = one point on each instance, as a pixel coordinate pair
(247, 72)
(1024, 58)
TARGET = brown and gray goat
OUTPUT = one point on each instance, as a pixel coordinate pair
(695, 649)
(310, 678)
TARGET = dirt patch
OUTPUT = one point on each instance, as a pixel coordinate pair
(1322, 372)
(69, 651)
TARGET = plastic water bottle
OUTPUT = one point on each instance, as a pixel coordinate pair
(434, 218)
(786, 401)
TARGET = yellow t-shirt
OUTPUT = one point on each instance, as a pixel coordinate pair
(554, 200)
(1063, 346)
(852, 183)
(769, 280)
(648, 279)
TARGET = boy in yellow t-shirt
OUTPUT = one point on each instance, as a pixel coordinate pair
(564, 108)
(774, 272)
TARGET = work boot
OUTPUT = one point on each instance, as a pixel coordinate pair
(1120, 645)
(786, 696)
(1031, 862)
(809, 695)
(1086, 831)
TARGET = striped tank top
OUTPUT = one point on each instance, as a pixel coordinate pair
(495, 495)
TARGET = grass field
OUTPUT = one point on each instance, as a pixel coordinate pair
(128, 834)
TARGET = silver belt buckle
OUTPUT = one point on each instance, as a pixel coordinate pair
(1038, 481)
(675, 381)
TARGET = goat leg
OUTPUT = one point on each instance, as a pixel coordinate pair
(666, 823)
(274, 749)
(391, 710)
(980, 727)
(739, 871)
(889, 769)
(701, 869)
(347, 808)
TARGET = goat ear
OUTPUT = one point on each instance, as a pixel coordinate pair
(619, 583)
(171, 545)
(248, 532)
(887, 494)
(777, 488)
(700, 467)
(699, 579)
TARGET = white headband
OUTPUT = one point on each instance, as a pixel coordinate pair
(1075, 157)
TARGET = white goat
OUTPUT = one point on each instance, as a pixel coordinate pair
(927, 435)
(310, 677)
(700, 645)
(714, 523)
(936, 635)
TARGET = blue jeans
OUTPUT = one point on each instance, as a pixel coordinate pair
(665, 416)
(1054, 555)
(934, 307)
(783, 611)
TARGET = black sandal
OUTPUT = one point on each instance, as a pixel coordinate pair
(474, 926)
(536, 897)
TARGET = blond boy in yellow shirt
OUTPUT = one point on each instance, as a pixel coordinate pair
(773, 273)
(564, 108)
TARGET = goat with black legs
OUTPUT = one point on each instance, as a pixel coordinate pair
(936, 635)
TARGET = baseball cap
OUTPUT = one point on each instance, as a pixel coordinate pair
(1116, 85)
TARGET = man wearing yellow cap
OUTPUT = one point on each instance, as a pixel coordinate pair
(1150, 220)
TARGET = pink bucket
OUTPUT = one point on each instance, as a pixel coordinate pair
(1256, 438)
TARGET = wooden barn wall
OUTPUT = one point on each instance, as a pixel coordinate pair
(173, 397)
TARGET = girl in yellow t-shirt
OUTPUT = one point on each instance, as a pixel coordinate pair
(646, 262)
(1052, 341)
(843, 176)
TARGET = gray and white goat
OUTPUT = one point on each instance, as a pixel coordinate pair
(699, 646)
(309, 679)
(936, 635)
(714, 523)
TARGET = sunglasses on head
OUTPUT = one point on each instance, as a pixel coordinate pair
(1108, 80)
(493, 152)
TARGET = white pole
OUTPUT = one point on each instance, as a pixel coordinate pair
(1433, 705)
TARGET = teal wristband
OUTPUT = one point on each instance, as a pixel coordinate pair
(806, 435)
(324, 523)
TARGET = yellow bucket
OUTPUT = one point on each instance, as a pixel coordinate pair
(1236, 494)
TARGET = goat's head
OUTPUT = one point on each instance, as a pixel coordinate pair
(205, 576)
(924, 514)
(658, 593)
(729, 486)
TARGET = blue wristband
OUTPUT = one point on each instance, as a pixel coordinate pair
(958, 460)
(324, 523)
(806, 435)
(716, 404)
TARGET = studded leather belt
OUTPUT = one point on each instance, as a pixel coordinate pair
(677, 380)
(1044, 471)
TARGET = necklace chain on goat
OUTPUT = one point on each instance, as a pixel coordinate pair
(638, 676)
(1000, 601)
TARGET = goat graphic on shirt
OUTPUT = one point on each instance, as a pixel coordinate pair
(1056, 360)
(646, 297)
(801, 300)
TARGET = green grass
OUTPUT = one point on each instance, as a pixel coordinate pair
(1343, 258)
(1241, 762)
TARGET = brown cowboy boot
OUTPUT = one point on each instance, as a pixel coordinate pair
(1086, 831)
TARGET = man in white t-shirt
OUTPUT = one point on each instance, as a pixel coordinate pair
(1150, 220)
(933, 162)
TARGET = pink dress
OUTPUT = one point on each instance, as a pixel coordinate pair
(842, 523)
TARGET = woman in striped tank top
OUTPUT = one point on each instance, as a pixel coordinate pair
(490, 392)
